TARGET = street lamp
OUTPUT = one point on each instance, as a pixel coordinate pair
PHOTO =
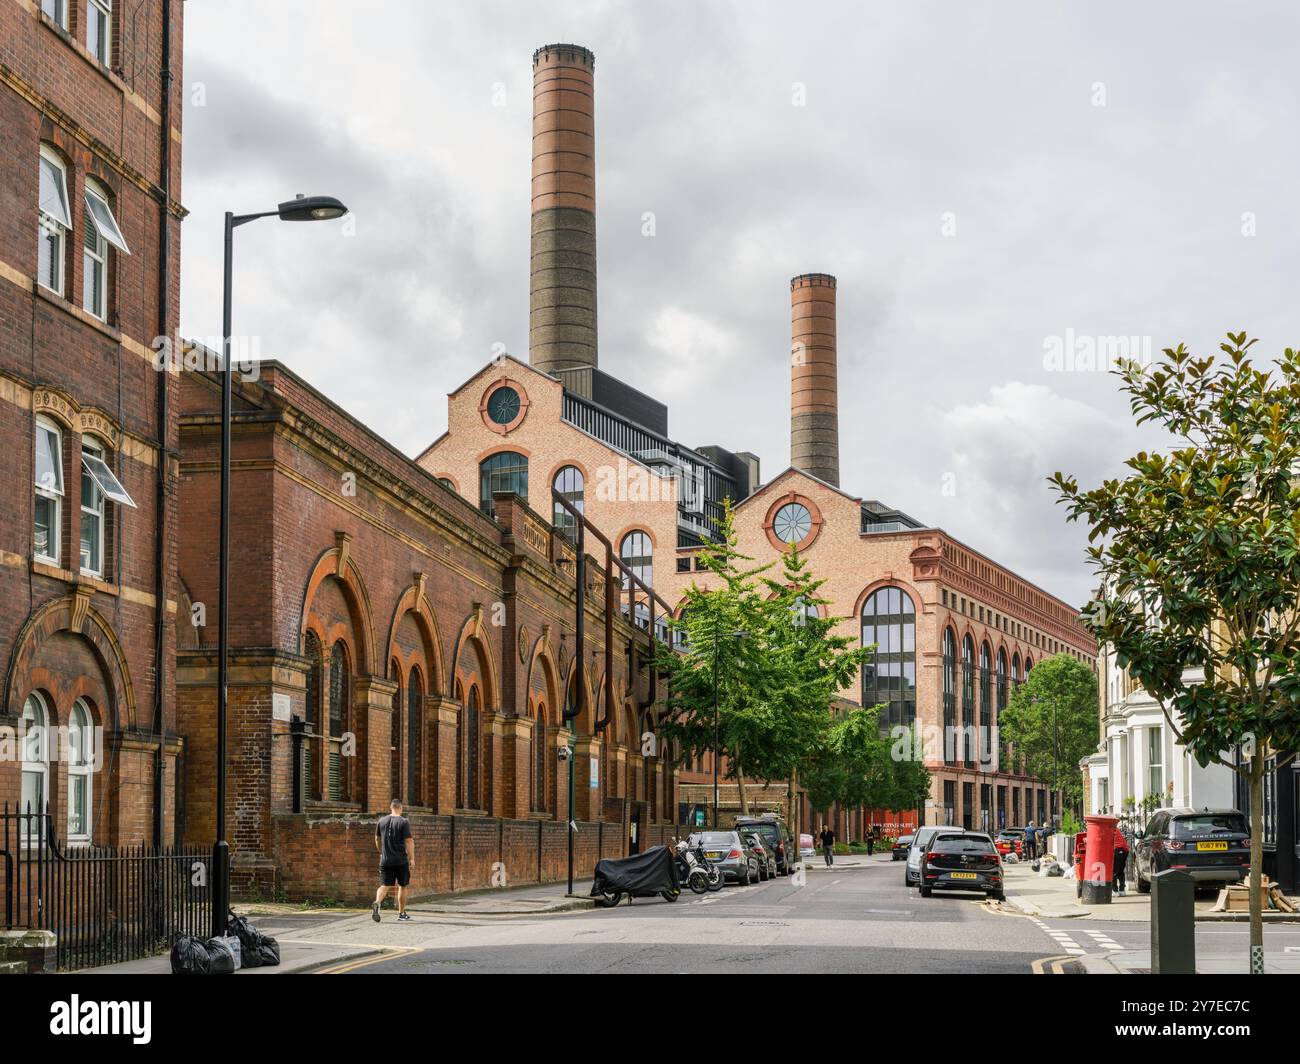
(300, 209)
(716, 737)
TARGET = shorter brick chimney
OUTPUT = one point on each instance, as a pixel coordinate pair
(814, 402)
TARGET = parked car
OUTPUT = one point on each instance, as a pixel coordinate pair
(760, 848)
(899, 850)
(1211, 845)
(962, 860)
(1010, 840)
(777, 834)
(733, 858)
(806, 846)
(922, 837)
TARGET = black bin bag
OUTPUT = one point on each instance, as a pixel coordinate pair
(190, 956)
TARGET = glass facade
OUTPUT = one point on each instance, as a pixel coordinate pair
(949, 695)
(569, 483)
(968, 698)
(889, 677)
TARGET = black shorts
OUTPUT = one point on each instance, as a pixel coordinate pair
(395, 875)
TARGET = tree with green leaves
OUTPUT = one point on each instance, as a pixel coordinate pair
(1052, 722)
(717, 678)
(1198, 550)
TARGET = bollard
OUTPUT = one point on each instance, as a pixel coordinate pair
(1100, 859)
(1173, 923)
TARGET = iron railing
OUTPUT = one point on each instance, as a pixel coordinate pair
(104, 904)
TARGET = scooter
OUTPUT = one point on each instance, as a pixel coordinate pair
(640, 876)
(695, 869)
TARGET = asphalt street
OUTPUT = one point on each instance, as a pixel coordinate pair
(845, 920)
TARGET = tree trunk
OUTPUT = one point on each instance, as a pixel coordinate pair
(792, 813)
(1256, 859)
(740, 785)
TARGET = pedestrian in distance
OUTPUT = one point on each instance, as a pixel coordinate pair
(871, 843)
(396, 859)
(1031, 842)
(828, 845)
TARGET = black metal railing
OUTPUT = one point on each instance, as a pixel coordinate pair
(104, 904)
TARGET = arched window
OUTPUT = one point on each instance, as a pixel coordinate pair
(36, 762)
(414, 733)
(1029, 664)
(54, 217)
(949, 695)
(889, 677)
(472, 749)
(395, 734)
(80, 759)
(99, 487)
(539, 801)
(312, 714)
(460, 745)
(967, 696)
(636, 553)
(1002, 683)
(504, 471)
(569, 483)
(986, 703)
(49, 490)
(340, 696)
(1015, 669)
(100, 231)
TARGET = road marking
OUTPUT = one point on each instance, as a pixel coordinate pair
(352, 966)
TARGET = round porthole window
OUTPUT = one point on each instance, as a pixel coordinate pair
(792, 523)
(503, 405)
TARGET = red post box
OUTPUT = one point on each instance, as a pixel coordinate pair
(1099, 860)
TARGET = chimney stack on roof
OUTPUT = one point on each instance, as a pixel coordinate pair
(562, 306)
(814, 404)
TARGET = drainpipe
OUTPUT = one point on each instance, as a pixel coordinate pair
(164, 418)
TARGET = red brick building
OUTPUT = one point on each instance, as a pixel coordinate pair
(431, 650)
(89, 275)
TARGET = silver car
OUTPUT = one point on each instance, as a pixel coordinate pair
(734, 858)
(916, 853)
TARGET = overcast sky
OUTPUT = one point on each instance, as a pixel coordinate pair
(981, 178)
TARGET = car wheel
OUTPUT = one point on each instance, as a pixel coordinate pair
(998, 895)
(743, 880)
(925, 892)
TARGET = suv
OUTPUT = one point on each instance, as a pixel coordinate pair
(916, 853)
(1210, 845)
(776, 834)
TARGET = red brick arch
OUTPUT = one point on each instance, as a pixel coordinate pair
(474, 636)
(361, 641)
(541, 659)
(73, 614)
(415, 602)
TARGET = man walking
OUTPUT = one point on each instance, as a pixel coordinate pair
(1031, 842)
(828, 844)
(396, 859)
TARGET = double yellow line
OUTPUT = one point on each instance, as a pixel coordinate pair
(1052, 965)
(364, 962)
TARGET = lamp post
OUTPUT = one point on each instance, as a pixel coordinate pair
(301, 209)
(716, 728)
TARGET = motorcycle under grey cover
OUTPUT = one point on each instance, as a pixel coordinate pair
(642, 873)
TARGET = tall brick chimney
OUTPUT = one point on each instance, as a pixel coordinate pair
(814, 406)
(562, 305)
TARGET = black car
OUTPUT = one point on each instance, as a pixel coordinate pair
(900, 847)
(777, 835)
(1211, 845)
(962, 860)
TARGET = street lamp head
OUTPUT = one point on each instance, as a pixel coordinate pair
(311, 209)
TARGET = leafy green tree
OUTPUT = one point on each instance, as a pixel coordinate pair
(1052, 722)
(722, 636)
(1199, 556)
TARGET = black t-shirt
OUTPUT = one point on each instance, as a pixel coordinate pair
(828, 838)
(392, 832)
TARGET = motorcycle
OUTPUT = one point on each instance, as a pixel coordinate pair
(644, 875)
(695, 868)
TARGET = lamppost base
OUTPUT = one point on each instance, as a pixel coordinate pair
(220, 887)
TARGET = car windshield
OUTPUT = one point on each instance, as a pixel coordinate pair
(1209, 823)
(768, 831)
(962, 844)
(717, 838)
